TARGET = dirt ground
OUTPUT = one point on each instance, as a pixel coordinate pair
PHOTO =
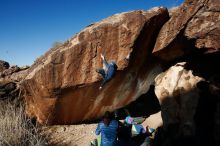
(71, 135)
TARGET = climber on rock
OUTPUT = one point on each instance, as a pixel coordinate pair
(107, 71)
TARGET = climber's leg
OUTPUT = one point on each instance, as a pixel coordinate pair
(101, 71)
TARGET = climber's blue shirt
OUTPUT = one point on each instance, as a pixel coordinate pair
(108, 133)
(110, 71)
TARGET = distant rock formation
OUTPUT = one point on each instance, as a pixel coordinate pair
(10, 77)
(3, 65)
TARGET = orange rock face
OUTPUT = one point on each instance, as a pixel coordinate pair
(62, 86)
(193, 26)
(204, 27)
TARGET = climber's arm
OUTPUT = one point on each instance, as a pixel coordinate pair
(105, 63)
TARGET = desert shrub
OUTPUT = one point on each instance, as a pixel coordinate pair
(16, 129)
(57, 44)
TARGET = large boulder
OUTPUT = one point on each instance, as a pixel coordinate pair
(178, 95)
(194, 26)
(62, 86)
(189, 97)
(10, 78)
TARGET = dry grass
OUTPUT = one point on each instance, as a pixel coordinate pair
(16, 129)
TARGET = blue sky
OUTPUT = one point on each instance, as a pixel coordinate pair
(28, 28)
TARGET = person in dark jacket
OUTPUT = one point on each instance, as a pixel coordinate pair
(107, 71)
(108, 128)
